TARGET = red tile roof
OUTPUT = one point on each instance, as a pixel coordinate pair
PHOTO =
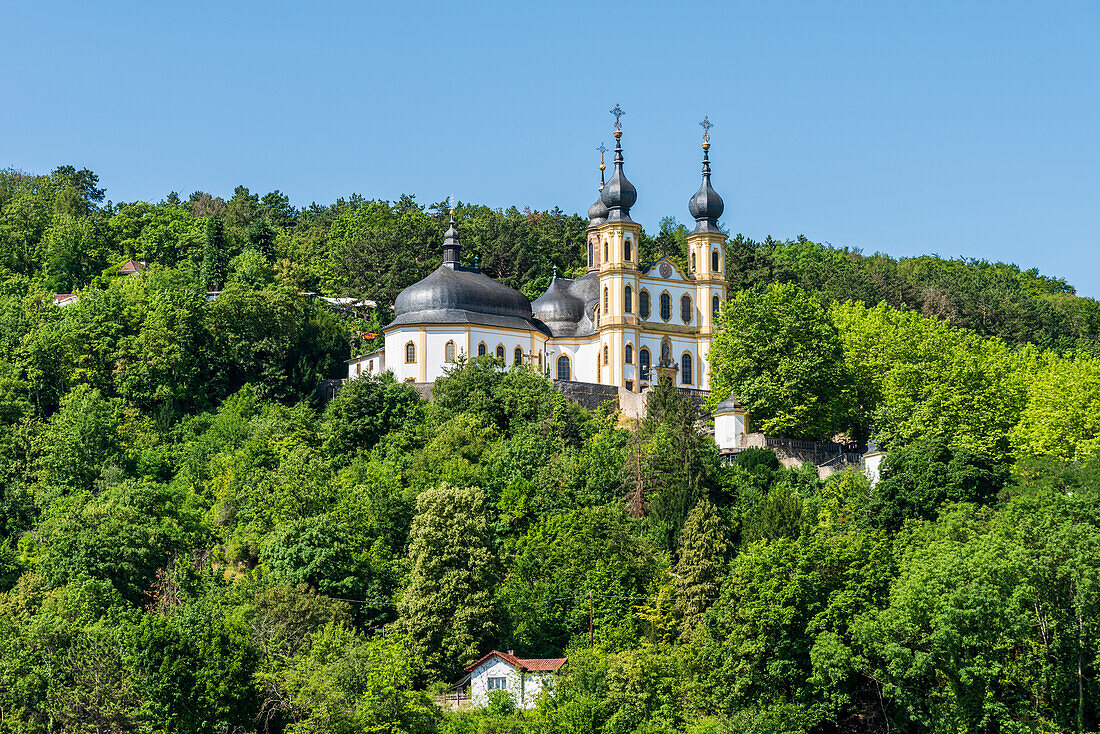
(528, 664)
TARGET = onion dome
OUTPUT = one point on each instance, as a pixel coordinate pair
(706, 205)
(597, 213)
(729, 405)
(565, 307)
(619, 194)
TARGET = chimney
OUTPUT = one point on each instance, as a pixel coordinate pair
(512, 653)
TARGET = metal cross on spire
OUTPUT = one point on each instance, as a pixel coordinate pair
(706, 124)
(601, 150)
(618, 112)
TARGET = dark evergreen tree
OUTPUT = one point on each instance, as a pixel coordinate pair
(215, 255)
(704, 553)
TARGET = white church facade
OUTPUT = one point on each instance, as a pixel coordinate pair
(615, 325)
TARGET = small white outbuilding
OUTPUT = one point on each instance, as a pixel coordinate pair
(731, 424)
(523, 678)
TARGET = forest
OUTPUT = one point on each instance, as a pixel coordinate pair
(192, 540)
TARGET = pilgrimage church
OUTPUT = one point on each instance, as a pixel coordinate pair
(615, 325)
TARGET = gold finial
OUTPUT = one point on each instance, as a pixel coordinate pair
(618, 134)
(451, 201)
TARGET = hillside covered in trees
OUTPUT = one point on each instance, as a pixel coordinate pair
(191, 542)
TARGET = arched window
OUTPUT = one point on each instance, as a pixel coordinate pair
(500, 352)
(589, 254)
(685, 369)
(605, 354)
(410, 353)
(449, 352)
(626, 250)
(643, 303)
(685, 308)
(643, 363)
(666, 306)
(605, 250)
(540, 359)
(517, 356)
(714, 264)
(628, 300)
(605, 300)
(482, 350)
(715, 305)
(563, 367)
(693, 262)
(628, 354)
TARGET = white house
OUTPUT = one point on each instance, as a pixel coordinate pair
(872, 463)
(523, 678)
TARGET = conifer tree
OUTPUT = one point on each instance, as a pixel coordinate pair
(215, 259)
(704, 551)
(447, 608)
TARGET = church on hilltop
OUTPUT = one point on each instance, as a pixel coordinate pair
(616, 325)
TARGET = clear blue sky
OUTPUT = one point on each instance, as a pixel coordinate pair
(958, 128)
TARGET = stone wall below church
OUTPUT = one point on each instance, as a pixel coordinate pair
(588, 394)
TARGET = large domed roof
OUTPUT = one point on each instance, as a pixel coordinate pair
(454, 294)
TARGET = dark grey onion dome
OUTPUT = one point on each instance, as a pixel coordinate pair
(597, 213)
(706, 205)
(452, 247)
(619, 194)
(565, 308)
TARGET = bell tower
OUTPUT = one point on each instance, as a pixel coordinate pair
(618, 239)
(706, 245)
(597, 215)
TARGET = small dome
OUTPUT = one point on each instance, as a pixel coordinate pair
(706, 206)
(619, 194)
(557, 305)
(461, 289)
(597, 213)
(729, 405)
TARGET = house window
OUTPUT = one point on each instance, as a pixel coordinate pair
(685, 309)
(628, 354)
(643, 363)
(714, 264)
(643, 304)
(715, 305)
(605, 300)
(626, 250)
(500, 352)
(540, 359)
(498, 684)
(358, 368)
(449, 352)
(563, 367)
(517, 357)
(628, 300)
(685, 369)
(605, 354)
(410, 353)
(666, 306)
(482, 350)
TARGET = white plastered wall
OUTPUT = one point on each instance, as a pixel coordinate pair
(523, 687)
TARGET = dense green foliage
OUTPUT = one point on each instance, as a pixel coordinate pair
(191, 541)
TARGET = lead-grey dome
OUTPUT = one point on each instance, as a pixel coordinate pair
(454, 294)
(565, 308)
(597, 213)
(619, 194)
(706, 205)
